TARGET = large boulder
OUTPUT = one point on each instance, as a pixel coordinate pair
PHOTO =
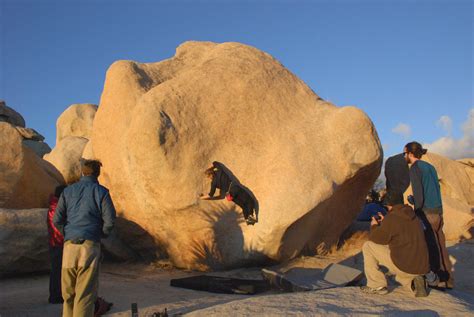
(26, 180)
(23, 240)
(76, 121)
(74, 127)
(308, 163)
(66, 157)
(9, 115)
(457, 189)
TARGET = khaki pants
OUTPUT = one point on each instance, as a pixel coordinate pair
(375, 255)
(80, 278)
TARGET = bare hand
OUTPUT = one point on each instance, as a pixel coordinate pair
(374, 222)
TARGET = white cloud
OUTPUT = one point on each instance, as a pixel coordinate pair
(445, 123)
(403, 129)
(456, 148)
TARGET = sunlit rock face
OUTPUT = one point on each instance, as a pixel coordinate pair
(308, 163)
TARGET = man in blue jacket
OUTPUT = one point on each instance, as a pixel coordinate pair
(85, 214)
(429, 208)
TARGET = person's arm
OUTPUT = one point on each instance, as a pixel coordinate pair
(108, 215)
(59, 219)
(381, 234)
(417, 186)
(213, 186)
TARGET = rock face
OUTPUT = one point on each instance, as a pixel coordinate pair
(76, 121)
(9, 115)
(308, 163)
(26, 180)
(74, 128)
(457, 190)
(24, 241)
(66, 157)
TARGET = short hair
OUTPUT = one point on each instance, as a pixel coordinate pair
(416, 149)
(91, 167)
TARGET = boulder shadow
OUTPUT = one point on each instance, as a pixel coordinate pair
(136, 238)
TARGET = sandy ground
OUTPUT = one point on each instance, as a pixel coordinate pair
(148, 286)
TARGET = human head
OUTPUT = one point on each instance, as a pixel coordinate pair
(59, 190)
(393, 198)
(210, 172)
(91, 168)
(413, 151)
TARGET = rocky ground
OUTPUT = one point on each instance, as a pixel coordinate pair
(148, 286)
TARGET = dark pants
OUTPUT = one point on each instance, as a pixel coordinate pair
(438, 254)
(56, 255)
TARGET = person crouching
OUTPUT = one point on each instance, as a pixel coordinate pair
(397, 242)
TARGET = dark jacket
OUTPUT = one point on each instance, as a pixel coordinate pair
(402, 231)
(85, 211)
(425, 185)
(397, 177)
(220, 180)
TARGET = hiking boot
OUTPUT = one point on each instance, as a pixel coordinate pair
(382, 290)
(418, 285)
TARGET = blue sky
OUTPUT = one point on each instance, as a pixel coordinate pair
(402, 62)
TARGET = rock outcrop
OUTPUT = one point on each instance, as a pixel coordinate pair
(76, 121)
(66, 157)
(308, 163)
(24, 241)
(26, 180)
(9, 115)
(74, 128)
(31, 137)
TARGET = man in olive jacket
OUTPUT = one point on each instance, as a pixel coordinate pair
(396, 241)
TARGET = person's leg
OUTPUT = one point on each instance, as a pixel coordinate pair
(68, 278)
(431, 242)
(87, 279)
(56, 255)
(445, 273)
(373, 253)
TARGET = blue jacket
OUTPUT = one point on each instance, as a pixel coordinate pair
(425, 185)
(85, 211)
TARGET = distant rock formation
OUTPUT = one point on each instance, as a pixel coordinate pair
(73, 129)
(31, 137)
(308, 163)
(9, 115)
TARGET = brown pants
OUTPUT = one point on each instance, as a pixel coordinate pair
(439, 257)
(80, 278)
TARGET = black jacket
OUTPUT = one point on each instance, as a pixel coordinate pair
(220, 180)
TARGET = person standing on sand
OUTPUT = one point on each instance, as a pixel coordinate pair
(55, 241)
(85, 213)
(397, 242)
(429, 208)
